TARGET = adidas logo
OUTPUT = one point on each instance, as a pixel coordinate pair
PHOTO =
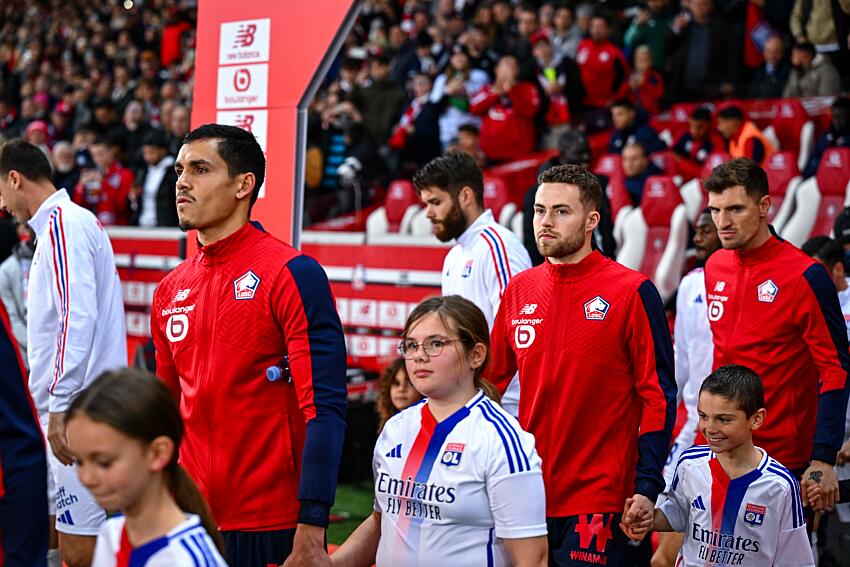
(395, 453)
(697, 503)
(65, 518)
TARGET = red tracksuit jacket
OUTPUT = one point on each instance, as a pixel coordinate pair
(595, 361)
(507, 129)
(604, 72)
(219, 320)
(775, 310)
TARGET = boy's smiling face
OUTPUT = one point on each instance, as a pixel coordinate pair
(724, 425)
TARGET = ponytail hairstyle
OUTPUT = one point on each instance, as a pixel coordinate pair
(467, 320)
(140, 406)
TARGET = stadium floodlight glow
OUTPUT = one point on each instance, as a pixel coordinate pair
(128, 4)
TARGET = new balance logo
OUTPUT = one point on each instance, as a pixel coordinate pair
(395, 453)
(528, 309)
(719, 286)
(181, 295)
(697, 503)
(65, 518)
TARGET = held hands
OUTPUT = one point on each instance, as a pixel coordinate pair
(637, 519)
(820, 486)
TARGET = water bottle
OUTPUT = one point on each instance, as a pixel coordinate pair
(279, 371)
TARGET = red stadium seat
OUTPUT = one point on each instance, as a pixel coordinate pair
(497, 199)
(783, 177)
(793, 129)
(611, 166)
(693, 193)
(819, 199)
(401, 204)
(656, 234)
(668, 163)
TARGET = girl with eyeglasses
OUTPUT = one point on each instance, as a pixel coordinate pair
(457, 481)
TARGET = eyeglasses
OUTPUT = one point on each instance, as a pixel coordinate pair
(431, 346)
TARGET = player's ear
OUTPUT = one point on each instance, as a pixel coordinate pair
(592, 221)
(757, 419)
(246, 185)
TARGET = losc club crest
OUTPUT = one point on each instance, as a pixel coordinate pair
(245, 286)
(452, 454)
(767, 291)
(754, 514)
(596, 309)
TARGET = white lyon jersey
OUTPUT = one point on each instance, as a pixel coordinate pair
(479, 267)
(694, 358)
(450, 492)
(187, 545)
(755, 520)
(75, 307)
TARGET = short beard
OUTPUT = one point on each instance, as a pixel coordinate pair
(566, 246)
(185, 225)
(452, 226)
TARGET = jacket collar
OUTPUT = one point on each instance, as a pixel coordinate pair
(471, 233)
(574, 272)
(39, 220)
(229, 246)
(766, 251)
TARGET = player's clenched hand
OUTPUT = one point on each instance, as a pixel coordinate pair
(308, 549)
(822, 474)
(56, 438)
(813, 495)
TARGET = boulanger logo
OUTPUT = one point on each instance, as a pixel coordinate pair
(177, 327)
(524, 336)
(715, 310)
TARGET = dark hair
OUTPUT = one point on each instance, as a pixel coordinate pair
(825, 249)
(588, 184)
(739, 171)
(701, 113)
(738, 384)
(451, 173)
(140, 406)
(467, 320)
(623, 103)
(731, 113)
(806, 46)
(470, 129)
(841, 103)
(602, 15)
(637, 145)
(386, 409)
(25, 158)
(239, 150)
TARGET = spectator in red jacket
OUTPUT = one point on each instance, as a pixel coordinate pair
(694, 146)
(604, 71)
(105, 190)
(646, 83)
(508, 107)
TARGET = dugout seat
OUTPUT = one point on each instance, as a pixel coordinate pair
(655, 235)
(611, 166)
(819, 199)
(792, 129)
(693, 194)
(667, 162)
(680, 113)
(783, 178)
(497, 199)
(400, 205)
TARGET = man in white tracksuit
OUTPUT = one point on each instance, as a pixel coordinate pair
(75, 327)
(694, 358)
(487, 255)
